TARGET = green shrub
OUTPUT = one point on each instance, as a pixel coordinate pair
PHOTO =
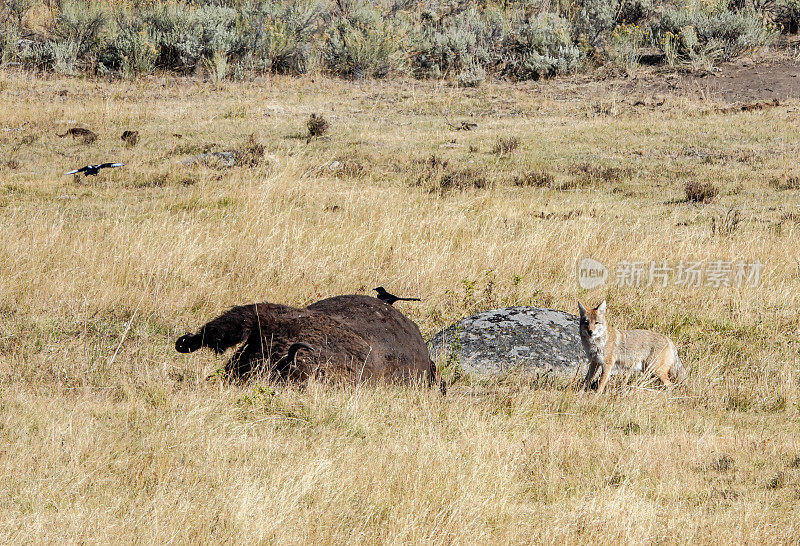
(613, 27)
(132, 50)
(184, 35)
(279, 37)
(594, 18)
(362, 44)
(171, 27)
(624, 44)
(59, 56)
(696, 34)
(520, 39)
(465, 46)
(9, 40)
(75, 40)
(79, 33)
(64, 56)
(217, 29)
(462, 45)
(471, 76)
(541, 47)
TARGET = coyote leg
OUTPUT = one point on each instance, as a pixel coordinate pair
(606, 375)
(590, 373)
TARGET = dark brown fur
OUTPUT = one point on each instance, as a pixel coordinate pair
(130, 138)
(354, 338)
(396, 337)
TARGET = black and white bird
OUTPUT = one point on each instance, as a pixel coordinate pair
(386, 297)
(92, 170)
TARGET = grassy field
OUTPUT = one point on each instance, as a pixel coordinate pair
(109, 435)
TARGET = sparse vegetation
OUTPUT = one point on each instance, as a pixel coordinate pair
(778, 481)
(350, 165)
(317, 126)
(726, 224)
(786, 182)
(437, 175)
(723, 463)
(698, 191)
(592, 173)
(534, 179)
(251, 153)
(505, 145)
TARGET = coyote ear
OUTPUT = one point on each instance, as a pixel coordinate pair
(602, 307)
(582, 309)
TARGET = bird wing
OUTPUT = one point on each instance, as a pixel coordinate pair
(82, 169)
(72, 172)
(104, 165)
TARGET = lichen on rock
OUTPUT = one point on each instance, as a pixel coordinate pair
(526, 338)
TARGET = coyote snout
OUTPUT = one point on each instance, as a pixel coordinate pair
(632, 350)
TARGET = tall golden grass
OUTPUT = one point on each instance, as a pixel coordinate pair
(109, 435)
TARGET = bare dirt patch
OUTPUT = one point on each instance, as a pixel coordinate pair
(743, 81)
(747, 81)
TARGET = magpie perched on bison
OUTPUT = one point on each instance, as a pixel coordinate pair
(350, 338)
(390, 298)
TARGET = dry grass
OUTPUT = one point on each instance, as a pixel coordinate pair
(109, 435)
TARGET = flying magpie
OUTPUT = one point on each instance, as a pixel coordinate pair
(92, 170)
(386, 297)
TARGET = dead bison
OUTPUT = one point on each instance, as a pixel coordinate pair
(354, 338)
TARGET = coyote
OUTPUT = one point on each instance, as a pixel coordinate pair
(631, 350)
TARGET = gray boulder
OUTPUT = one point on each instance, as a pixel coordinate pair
(527, 338)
